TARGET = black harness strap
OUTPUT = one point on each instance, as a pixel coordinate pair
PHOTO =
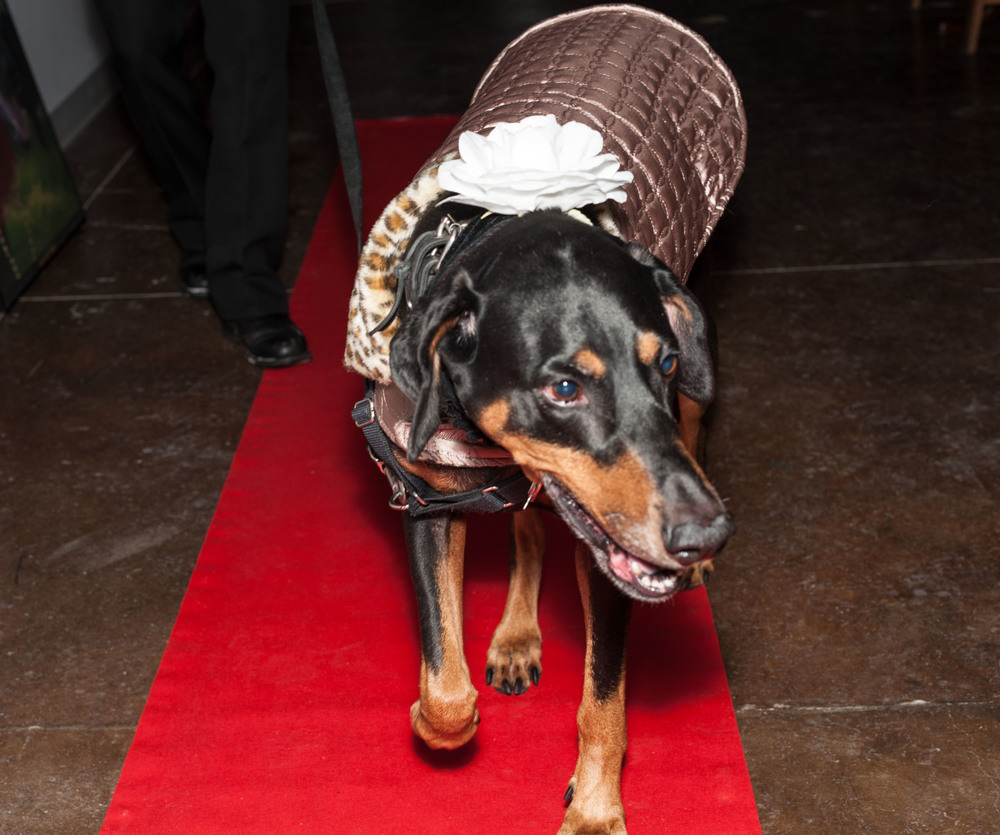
(416, 496)
(340, 109)
(429, 253)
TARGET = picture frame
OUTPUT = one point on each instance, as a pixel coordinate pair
(39, 203)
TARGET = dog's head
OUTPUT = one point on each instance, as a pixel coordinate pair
(569, 350)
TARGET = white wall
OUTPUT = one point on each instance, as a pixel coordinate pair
(66, 49)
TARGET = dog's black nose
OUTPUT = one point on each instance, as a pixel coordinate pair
(692, 541)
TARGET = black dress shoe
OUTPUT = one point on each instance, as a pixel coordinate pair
(195, 283)
(271, 341)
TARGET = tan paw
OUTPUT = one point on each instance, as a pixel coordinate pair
(444, 732)
(593, 818)
(574, 824)
(514, 664)
(698, 575)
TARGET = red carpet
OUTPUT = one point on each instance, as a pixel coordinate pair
(282, 701)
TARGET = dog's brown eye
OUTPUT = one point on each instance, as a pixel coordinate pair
(669, 366)
(564, 392)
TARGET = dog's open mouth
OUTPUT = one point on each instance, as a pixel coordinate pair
(634, 576)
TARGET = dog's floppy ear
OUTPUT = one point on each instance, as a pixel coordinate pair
(441, 329)
(696, 372)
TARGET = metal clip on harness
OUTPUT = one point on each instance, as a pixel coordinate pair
(415, 273)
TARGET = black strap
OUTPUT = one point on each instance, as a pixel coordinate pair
(428, 255)
(340, 109)
(416, 496)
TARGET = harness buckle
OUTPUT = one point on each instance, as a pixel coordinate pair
(363, 413)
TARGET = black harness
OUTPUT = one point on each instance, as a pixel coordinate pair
(416, 496)
(429, 253)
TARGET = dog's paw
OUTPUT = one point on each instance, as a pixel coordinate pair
(576, 824)
(514, 664)
(698, 575)
(447, 732)
(616, 827)
(597, 815)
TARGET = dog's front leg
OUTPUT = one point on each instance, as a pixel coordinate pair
(594, 794)
(514, 660)
(445, 716)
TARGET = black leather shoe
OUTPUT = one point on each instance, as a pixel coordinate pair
(271, 341)
(195, 283)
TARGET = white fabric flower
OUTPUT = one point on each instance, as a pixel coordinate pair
(533, 164)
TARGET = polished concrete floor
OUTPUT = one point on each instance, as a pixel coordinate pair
(855, 280)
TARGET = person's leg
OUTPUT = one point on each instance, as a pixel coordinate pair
(246, 202)
(246, 43)
(166, 110)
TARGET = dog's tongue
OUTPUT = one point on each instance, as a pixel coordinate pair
(629, 568)
(619, 562)
(636, 572)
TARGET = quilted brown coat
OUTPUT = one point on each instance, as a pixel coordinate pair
(663, 102)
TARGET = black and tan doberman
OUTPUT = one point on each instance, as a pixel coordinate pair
(589, 362)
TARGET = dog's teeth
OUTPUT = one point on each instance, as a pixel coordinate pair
(648, 582)
(656, 583)
(640, 569)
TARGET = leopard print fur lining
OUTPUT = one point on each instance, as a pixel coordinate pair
(375, 283)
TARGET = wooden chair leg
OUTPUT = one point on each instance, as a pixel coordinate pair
(975, 24)
(976, 12)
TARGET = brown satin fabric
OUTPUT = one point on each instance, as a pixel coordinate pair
(664, 102)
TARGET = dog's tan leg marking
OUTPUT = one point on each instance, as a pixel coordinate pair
(596, 804)
(446, 715)
(514, 660)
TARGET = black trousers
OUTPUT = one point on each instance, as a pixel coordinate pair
(227, 185)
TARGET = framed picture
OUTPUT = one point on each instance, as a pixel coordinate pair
(39, 204)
